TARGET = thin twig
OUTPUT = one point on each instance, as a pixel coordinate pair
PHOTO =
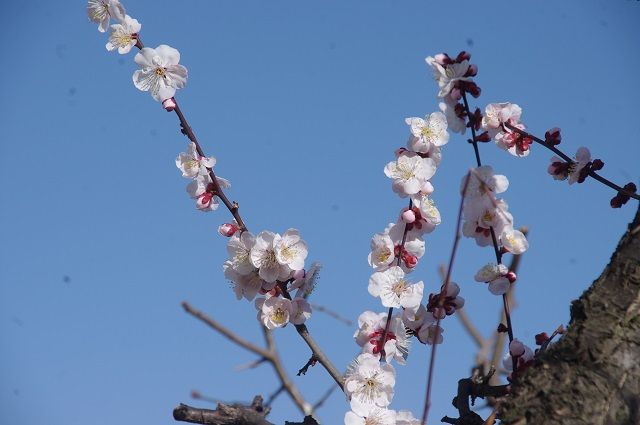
(454, 249)
(323, 309)
(324, 398)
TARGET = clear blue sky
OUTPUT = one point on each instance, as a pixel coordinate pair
(303, 104)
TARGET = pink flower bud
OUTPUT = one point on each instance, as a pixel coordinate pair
(227, 229)
(553, 136)
(427, 188)
(472, 71)
(169, 104)
(516, 348)
(511, 276)
(410, 260)
(541, 338)
(408, 216)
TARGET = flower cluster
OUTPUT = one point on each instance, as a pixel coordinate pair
(488, 221)
(395, 253)
(266, 264)
(160, 72)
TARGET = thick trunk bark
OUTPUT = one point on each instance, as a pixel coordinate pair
(592, 374)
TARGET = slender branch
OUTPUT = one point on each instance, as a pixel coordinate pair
(270, 355)
(230, 335)
(319, 354)
(454, 250)
(324, 398)
(564, 156)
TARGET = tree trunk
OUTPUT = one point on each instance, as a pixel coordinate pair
(592, 374)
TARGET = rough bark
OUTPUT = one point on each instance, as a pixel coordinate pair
(592, 374)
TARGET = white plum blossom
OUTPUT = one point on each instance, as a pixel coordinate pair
(428, 132)
(426, 213)
(369, 384)
(394, 291)
(123, 36)
(382, 251)
(192, 164)
(290, 249)
(409, 173)
(264, 257)
(497, 114)
(376, 416)
(300, 310)
(405, 417)
(514, 241)
(414, 246)
(427, 334)
(371, 326)
(414, 319)
(307, 283)
(239, 250)
(244, 285)
(561, 170)
(481, 215)
(274, 312)
(447, 75)
(160, 74)
(100, 11)
(482, 182)
(455, 123)
(496, 276)
(513, 142)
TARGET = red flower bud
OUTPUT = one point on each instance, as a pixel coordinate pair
(227, 229)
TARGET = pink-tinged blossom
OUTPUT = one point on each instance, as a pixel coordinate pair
(369, 384)
(100, 11)
(264, 257)
(192, 164)
(394, 290)
(227, 229)
(290, 249)
(239, 250)
(427, 132)
(300, 310)
(409, 173)
(444, 304)
(576, 171)
(203, 191)
(274, 312)
(376, 416)
(160, 74)
(413, 244)
(448, 75)
(124, 35)
(381, 255)
(455, 114)
(514, 241)
(426, 213)
(513, 142)
(369, 336)
(497, 114)
(307, 283)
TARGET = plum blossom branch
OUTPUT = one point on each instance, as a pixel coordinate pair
(564, 156)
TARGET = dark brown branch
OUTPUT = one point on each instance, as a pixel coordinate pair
(311, 362)
(470, 390)
(224, 414)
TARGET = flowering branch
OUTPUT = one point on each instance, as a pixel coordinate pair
(591, 172)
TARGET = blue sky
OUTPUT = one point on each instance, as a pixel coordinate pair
(302, 104)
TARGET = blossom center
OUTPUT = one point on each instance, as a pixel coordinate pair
(405, 172)
(426, 132)
(399, 287)
(161, 72)
(278, 315)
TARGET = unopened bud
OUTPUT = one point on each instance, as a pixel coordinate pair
(541, 338)
(472, 71)
(410, 260)
(597, 164)
(502, 328)
(227, 229)
(442, 58)
(169, 104)
(511, 276)
(427, 188)
(408, 216)
(553, 136)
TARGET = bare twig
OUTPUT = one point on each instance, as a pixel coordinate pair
(323, 309)
(324, 398)
(270, 355)
(224, 414)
